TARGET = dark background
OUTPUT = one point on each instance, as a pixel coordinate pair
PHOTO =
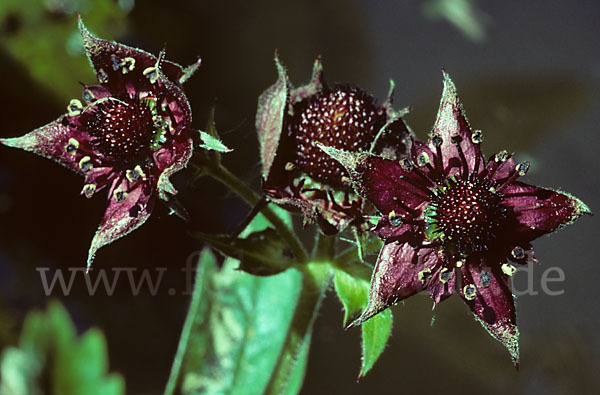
(530, 79)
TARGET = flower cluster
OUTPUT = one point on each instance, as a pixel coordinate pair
(453, 222)
(131, 133)
(296, 173)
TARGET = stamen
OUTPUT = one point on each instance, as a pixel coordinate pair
(518, 253)
(507, 269)
(72, 146)
(74, 108)
(470, 291)
(85, 163)
(519, 171)
(424, 275)
(88, 190)
(119, 195)
(456, 140)
(437, 142)
(445, 275)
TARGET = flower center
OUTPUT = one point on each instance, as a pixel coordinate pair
(345, 118)
(123, 131)
(464, 215)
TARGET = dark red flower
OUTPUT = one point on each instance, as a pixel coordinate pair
(296, 173)
(130, 134)
(454, 222)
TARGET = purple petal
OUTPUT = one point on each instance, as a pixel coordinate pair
(269, 118)
(121, 218)
(50, 141)
(112, 63)
(451, 122)
(540, 211)
(169, 161)
(396, 277)
(487, 293)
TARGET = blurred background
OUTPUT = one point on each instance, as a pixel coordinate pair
(528, 74)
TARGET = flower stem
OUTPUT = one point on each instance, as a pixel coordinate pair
(220, 173)
(292, 360)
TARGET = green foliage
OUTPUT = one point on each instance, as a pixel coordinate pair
(375, 335)
(354, 295)
(52, 359)
(236, 328)
(212, 143)
(44, 38)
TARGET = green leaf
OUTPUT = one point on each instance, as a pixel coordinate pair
(375, 334)
(352, 292)
(262, 253)
(354, 295)
(50, 352)
(212, 143)
(236, 328)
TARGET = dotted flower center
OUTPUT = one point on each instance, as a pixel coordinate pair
(345, 118)
(464, 214)
(122, 131)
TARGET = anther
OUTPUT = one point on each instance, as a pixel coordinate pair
(445, 275)
(477, 137)
(485, 278)
(406, 165)
(507, 269)
(501, 156)
(395, 219)
(424, 275)
(470, 291)
(422, 159)
(151, 73)
(85, 163)
(88, 96)
(119, 195)
(74, 108)
(135, 174)
(116, 62)
(102, 76)
(72, 146)
(127, 64)
(289, 166)
(518, 253)
(523, 168)
(437, 140)
(88, 190)
(459, 264)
